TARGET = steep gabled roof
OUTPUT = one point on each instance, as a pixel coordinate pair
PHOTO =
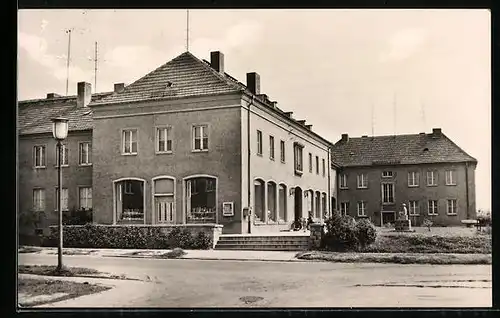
(35, 116)
(183, 76)
(399, 149)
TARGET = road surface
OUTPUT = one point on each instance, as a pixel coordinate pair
(208, 283)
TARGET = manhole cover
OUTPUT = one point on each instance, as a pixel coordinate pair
(250, 299)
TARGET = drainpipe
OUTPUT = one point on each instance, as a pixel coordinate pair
(248, 165)
(467, 188)
(329, 183)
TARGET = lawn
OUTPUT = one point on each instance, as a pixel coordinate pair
(47, 270)
(32, 292)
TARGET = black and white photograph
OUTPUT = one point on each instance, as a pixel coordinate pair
(253, 158)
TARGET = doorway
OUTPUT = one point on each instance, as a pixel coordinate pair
(388, 217)
(298, 203)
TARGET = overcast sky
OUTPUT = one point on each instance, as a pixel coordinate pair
(344, 71)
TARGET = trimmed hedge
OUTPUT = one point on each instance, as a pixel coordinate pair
(344, 233)
(95, 236)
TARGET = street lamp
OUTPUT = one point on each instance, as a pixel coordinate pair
(60, 132)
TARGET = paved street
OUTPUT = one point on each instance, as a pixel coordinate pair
(208, 283)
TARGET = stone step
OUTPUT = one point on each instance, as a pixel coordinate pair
(278, 242)
(260, 247)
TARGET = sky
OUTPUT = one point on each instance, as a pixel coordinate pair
(360, 72)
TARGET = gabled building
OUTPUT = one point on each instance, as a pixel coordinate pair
(185, 144)
(428, 172)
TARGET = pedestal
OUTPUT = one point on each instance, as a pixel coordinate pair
(402, 225)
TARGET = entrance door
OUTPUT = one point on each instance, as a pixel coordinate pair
(388, 217)
(298, 204)
(164, 206)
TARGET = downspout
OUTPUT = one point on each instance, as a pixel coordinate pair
(467, 188)
(248, 165)
(329, 183)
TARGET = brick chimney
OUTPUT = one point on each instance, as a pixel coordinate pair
(302, 122)
(288, 114)
(436, 132)
(119, 87)
(52, 95)
(217, 61)
(84, 96)
(253, 83)
(345, 137)
(309, 127)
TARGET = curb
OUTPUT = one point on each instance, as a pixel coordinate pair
(209, 259)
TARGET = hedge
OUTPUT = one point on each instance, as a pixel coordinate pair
(95, 236)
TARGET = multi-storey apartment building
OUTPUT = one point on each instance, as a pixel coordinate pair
(427, 172)
(186, 143)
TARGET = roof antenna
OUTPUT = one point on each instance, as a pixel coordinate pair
(187, 30)
(373, 120)
(68, 59)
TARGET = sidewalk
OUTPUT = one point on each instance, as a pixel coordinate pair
(276, 256)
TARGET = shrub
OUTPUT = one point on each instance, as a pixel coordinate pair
(484, 220)
(97, 236)
(77, 216)
(341, 233)
(175, 253)
(427, 223)
(366, 232)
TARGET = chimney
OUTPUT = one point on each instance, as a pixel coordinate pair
(288, 114)
(263, 97)
(52, 95)
(253, 83)
(309, 127)
(302, 122)
(84, 96)
(345, 137)
(217, 61)
(119, 87)
(275, 104)
(364, 136)
(436, 132)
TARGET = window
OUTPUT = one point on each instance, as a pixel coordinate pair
(164, 139)
(451, 207)
(317, 165)
(201, 206)
(432, 207)
(387, 174)
(271, 147)
(343, 181)
(129, 142)
(85, 198)
(200, 136)
(128, 187)
(344, 208)
(387, 193)
(39, 156)
(85, 153)
(310, 162)
(297, 156)
(362, 181)
(450, 177)
(282, 151)
(39, 199)
(259, 142)
(64, 195)
(129, 201)
(431, 178)
(413, 179)
(324, 168)
(413, 208)
(65, 154)
(361, 208)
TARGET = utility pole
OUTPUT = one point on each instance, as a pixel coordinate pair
(68, 59)
(95, 68)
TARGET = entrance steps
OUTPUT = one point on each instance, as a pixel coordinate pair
(260, 242)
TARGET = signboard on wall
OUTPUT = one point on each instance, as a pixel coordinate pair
(227, 209)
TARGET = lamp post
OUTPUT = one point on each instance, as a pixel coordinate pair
(60, 132)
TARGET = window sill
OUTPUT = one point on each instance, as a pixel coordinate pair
(282, 161)
(129, 154)
(413, 186)
(388, 203)
(362, 187)
(85, 164)
(40, 167)
(271, 159)
(164, 152)
(63, 166)
(199, 150)
(298, 173)
(342, 188)
(432, 214)
(452, 214)
(451, 184)
(259, 154)
(432, 185)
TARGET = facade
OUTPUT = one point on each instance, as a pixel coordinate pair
(185, 144)
(430, 174)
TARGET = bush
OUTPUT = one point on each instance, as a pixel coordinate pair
(96, 236)
(484, 220)
(77, 216)
(340, 233)
(366, 232)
